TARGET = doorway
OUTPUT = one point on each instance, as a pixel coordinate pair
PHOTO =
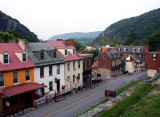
(58, 85)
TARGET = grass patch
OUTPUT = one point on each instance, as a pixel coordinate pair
(118, 92)
(149, 107)
(120, 108)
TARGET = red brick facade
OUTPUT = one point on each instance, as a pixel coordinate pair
(153, 63)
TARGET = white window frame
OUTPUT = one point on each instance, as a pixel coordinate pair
(65, 52)
(74, 51)
(3, 80)
(25, 56)
(4, 58)
(17, 77)
(133, 49)
(29, 75)
(154, 56)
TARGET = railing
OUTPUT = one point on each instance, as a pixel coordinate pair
(48, 100)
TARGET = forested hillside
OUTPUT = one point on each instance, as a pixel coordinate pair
(143, 25)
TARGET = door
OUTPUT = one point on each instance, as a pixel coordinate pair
(58, 85)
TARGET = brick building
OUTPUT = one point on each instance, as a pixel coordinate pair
(110, 63)
(153, 63)
(87, 68)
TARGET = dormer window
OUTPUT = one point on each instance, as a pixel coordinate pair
(5, 58)
(139, 49)
(54, 54)
(24, 57)
(125, 49)
(74, 51)
(65, 52)
(133, 50)
(42, 54)
(119, 49)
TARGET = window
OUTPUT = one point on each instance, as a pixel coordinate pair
(74, 51)
(125, 49)
(41, 72)
(54, 54)
(27, 75)
(68, 66)
(85, 64)
(15, 77)
(1, 80)
(133, 50)
(58, 69)
(73, 78)
(154, 56)
(119, 49)
(65, 53)
(113, 63)
(104, 56)
(50, 70)
(78, 77)
(79, 64)
(24, 57)
(139, 49)
(42, 54)
(50, 86)
(116, 62)
(119, 61)
(6, 58)
(89, 62)
(74, 66)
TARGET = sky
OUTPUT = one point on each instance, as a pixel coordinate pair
(47, 18)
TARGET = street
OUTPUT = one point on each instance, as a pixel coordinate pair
(76, 104)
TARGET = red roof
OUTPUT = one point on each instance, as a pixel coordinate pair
(14, 62)
(20, 88)
(62, 45)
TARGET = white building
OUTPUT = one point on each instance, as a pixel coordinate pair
(49, 66)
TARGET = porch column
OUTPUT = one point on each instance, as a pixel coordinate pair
(1, 106)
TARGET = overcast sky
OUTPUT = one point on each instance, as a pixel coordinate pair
(47, 18)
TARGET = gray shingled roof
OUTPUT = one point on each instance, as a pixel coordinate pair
(128, 50)
(113, 53)
(100, 46)
(35, 50)
(137, 58)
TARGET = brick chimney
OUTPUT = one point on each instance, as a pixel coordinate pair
(116, 45)
(12, 41)
(130, 46)
(94, 45)
(69, 42)
(23, 43)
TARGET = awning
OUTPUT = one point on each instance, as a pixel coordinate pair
(20, 88)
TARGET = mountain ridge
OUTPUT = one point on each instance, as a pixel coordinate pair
(76, 35)
(143, 25)
(9, 23)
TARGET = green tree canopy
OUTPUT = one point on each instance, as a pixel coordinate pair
(79, 47)
(153, 41)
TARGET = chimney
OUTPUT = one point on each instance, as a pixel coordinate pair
(116, 45)
(69, 42)
(94, 45)
(12, 41)
(23, 43)
(130, 46)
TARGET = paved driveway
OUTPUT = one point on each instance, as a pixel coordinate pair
(79, 103)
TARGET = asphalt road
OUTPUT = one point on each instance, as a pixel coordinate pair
(81, 102)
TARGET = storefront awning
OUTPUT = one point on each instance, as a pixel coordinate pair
(20, 88)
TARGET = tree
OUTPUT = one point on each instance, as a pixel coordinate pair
(79, 47)
(105, 41)
(94, 52)
(130, 39)
(153, 41)
(5, 37)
